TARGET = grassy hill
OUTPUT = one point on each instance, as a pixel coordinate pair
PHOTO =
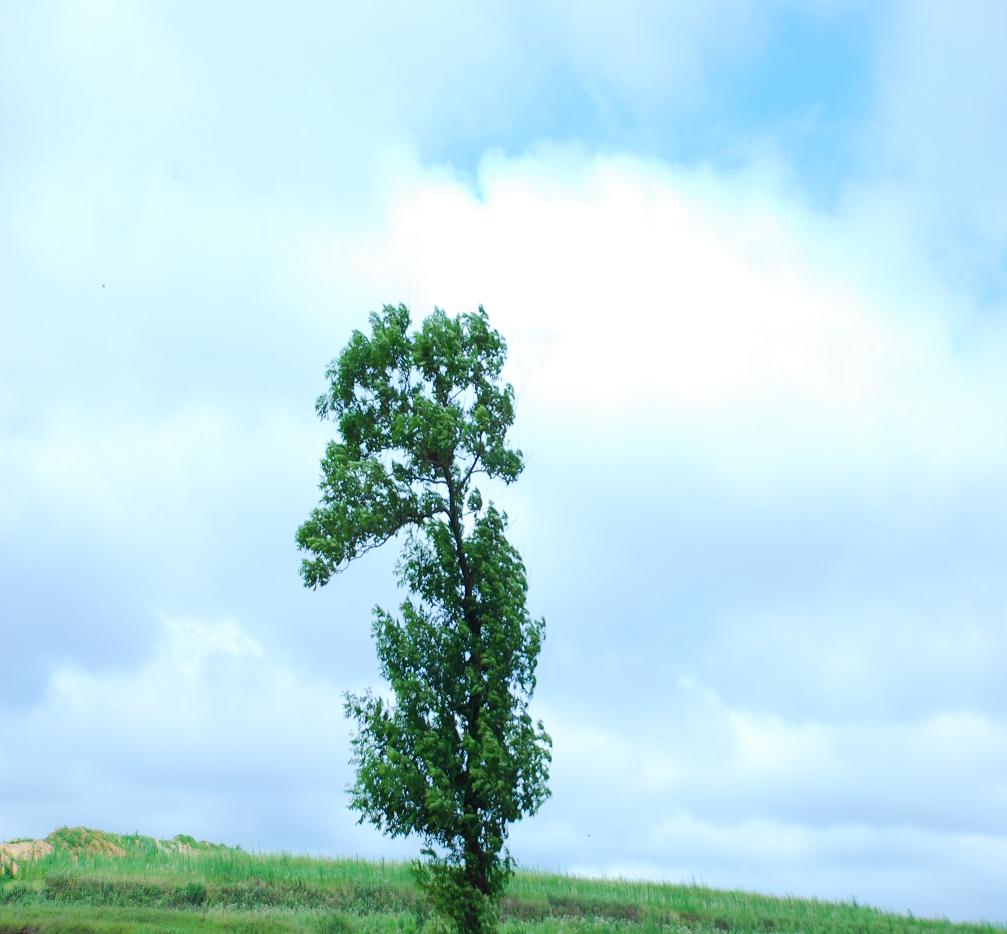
(86, 880)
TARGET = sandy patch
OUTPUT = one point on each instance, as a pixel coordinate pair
(176, 846)
(13, 854)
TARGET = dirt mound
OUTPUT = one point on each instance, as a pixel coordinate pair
(13, 854)
(83, 843)
(80, 841)
(177, 846)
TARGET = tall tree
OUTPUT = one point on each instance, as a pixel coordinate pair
(454, 757)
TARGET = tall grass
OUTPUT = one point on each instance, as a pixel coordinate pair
(105, 882)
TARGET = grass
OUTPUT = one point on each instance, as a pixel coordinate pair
(100, 882)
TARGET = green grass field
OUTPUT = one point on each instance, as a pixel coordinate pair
(94, 881)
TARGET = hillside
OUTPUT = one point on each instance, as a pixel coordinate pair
(87, 880)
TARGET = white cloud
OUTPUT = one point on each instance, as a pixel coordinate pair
(115, 471)
(704, 790)
(210, 724)
(727, 762)
(896, 653)
(714, 308)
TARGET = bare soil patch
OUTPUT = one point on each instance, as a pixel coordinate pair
(13, 854)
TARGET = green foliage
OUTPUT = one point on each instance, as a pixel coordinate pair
(17, 893)
(80, 840)
(191, 894)
(455, 757)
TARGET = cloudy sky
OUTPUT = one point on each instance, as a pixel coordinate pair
(751, 262)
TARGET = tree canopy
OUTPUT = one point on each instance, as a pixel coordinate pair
(454, 757)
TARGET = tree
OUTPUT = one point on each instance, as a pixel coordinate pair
(454, 756)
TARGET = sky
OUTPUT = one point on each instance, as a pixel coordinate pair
(750, 259)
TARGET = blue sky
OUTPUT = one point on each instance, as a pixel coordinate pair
(750, 260)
